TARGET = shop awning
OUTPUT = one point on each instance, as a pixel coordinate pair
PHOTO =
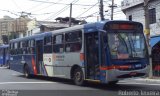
(154, 40)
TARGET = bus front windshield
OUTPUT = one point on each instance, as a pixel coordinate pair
(126, 45)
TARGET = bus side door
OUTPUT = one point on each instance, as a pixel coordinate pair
(39, 55)
(92, 56)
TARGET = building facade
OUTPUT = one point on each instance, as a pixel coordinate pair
(6, 24)
(11, 28)
(35, 27)
(134, 11)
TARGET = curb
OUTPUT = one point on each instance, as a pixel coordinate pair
(149, 80)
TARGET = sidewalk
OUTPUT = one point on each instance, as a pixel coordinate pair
(3, 67)
(148, 80)
(142, 80)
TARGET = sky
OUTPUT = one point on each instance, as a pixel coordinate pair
(49, 10)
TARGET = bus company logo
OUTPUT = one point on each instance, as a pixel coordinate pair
(49, 59)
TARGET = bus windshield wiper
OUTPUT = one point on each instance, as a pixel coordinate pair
(132, 46)
(124, 42)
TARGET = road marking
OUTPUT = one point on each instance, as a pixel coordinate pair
(138, 83)
(27, 82)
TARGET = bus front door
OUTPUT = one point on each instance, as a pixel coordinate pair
(92, 56)
(39, 55)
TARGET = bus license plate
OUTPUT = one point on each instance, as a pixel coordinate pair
(133, 73)
(138, 65)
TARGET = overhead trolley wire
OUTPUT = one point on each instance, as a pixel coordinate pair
(14, 13)
(87, 10)
(47, 6)
(62, 10)
(87, 16)
(16, 4)
(60, 3)
(33, 7)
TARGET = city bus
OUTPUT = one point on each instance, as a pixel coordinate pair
(4, 55)
(105, 52)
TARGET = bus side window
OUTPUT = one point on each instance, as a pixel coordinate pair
(47, 44)
(23, 47)
(27, 47)
(16, 48)
(11, 48)
(73, 41)
(58, 43)
(32, 46)
(1, 52)
(13, 53)
(20, 47)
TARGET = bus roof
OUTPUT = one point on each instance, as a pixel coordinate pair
(90, 27)
(36, 36)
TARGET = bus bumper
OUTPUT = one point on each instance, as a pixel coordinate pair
(116, 75)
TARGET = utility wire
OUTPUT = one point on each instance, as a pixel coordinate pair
(87, 10)
(33, 7)
(14, 13)
(91, 15)
(62, 10)
(60, 3)
(16, 4)
(47, 6)
(59, 12)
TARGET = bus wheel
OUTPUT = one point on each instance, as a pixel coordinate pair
(78, 77)
(26, 71)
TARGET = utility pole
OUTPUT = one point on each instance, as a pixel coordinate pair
(112, 9)
(70, 15)
(7, 36)
(101, 10)
(147, 32)
(1, 33)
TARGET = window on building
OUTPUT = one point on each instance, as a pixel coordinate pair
(152, 15)
(130, 17)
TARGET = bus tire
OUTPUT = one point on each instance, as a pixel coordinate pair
(26, 71)
(78, 77)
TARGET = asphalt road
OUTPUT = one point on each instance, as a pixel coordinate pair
(15, 84)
